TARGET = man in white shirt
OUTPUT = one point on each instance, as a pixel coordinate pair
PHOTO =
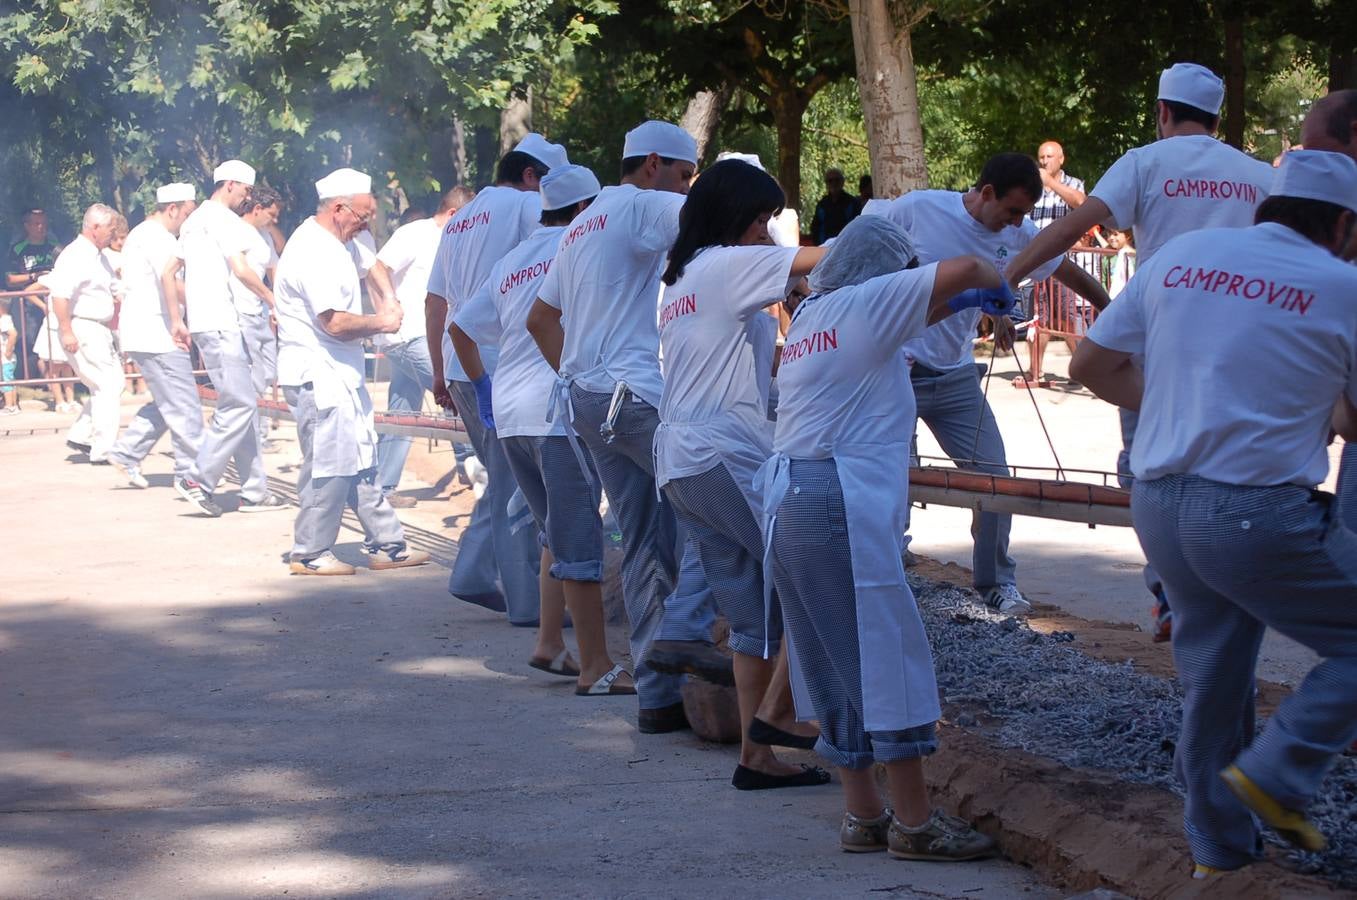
(212, 246)
(1184, 181)
(1231, 447)
(144, 335)
(81, 299)
(321, 327)
(989, 221)
(496, 564)
(259, 213)
(407, 256)
(595, 320)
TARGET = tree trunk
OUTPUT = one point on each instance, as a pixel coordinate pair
(1234, 81)
(515, 120)
(487, 142)
(458, 153)
(1342, 69)
(889, 89)
(703, 115)
(788, 106)
(447, 155)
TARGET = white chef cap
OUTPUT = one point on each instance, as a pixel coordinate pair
(751, 158)
(1317, 175)
(876, 206)
(867, 247)
(343, 183)
(567, 185)
(1194, 85)
(177, 192)
(548, 154)
(661, 138)
(234, 170)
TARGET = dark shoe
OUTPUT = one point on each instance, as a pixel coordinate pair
(201, 499)
(662, 719)
(760, 732)
(78, 447)
(697, 658)
(746, 779)
(493, 602)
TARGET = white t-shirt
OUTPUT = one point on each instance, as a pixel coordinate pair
(941, 228)
(207, 239)
(315, 273)
(606, 283)
(842, 380)
(497, 315)
(1180, 184)
(1249, 337)
(143, 326)
(259, 255)
(473, 240)
(409, 254)
(83, 276)
(710, 364)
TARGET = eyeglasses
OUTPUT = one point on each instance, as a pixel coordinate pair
(362, 220)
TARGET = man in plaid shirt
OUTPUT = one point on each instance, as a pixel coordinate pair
(1060, 192)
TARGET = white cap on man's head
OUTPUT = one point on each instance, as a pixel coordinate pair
(1317, 175)
(343, 183)
(539, 148)
(234, 170)
(177, 192)
(661, 138)
(751, 158)
(566, 185)
(1194, 85)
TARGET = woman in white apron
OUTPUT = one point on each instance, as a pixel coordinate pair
(835, 498)
(714, 431)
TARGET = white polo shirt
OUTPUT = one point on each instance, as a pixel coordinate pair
(710, 361)
(497, 315)
(409, 254)
(473, 240)
(207, 239)
(259, 255)
(316, 273)
(143, 326)
(941, 228)
(83, 276)
(606, 283)
(1180, 184)
(843, 381)
(1249, 337)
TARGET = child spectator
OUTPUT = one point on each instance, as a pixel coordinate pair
(1122, 266)
(9, 342)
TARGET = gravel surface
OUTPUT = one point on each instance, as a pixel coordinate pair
(1049, 699)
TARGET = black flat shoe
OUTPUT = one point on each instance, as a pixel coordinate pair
(760, 732)
(746, 779)
(662, 720)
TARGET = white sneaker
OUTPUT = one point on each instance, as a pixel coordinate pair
(133, 473)
(1006, 598)
(9, 410)
(322, 564)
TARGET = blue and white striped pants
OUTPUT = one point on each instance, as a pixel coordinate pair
(813, 572)
(1235, 561)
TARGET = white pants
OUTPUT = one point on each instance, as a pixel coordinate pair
(96, 362)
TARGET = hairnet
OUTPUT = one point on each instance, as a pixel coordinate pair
(869, 246)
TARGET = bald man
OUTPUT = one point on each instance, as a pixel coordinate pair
(1060, 192)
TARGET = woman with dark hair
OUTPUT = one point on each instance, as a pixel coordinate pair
(714, 432)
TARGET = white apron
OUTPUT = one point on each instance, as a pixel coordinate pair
(345, 442)
(899, 686)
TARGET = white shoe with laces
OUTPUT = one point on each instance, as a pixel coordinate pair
(1007, 599)
(133, 474)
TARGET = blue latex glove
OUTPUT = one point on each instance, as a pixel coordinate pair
(991, 301)
(482, 386)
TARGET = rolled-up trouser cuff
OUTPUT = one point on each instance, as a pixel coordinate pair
(752, 644)
(577, 571)
(911, 743)
(844, 759)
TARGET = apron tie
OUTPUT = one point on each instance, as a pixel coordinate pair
(772, 481)
(561, 409)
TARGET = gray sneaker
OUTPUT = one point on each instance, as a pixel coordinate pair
(864, 835)
(270, 503)
(194, 493)
(942, 838)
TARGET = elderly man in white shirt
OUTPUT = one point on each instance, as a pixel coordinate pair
(144, 335)
(212, 245)
(81, 285)
(321, 327)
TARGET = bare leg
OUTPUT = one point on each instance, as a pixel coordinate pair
(1036, 345)
(909, 794)
(550, 636)
(777, 707)
(585, 601)
(752, 674)
(860, 795)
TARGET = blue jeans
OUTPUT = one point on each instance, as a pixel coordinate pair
(411, 374)
(666, 595)
(953, 407)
